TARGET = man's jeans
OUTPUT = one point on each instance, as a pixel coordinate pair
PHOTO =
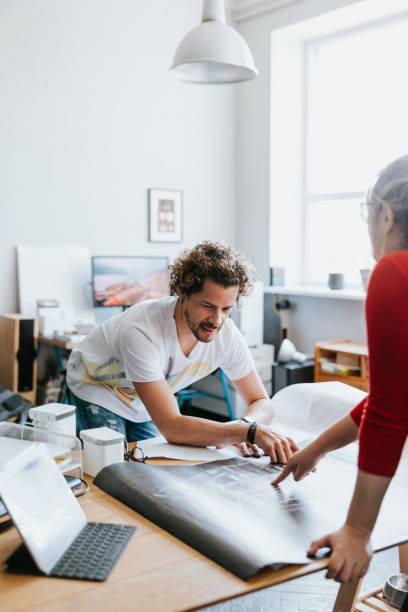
(91, 415)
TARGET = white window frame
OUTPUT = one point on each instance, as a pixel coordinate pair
(309, 197)
(288, 189)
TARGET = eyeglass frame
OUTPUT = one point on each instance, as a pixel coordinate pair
(364, 210)
(129, 455)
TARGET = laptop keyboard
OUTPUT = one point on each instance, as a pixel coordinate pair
(94, 552)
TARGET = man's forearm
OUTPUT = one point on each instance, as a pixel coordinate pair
(203, 432)
(261, 411)
(367, 498)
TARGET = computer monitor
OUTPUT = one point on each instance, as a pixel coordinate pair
(124, 281)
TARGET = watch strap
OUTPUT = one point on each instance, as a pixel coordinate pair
(251, 432)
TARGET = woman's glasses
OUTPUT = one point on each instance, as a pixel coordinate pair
(364, 210)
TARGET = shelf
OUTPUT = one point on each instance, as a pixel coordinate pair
(342, 346)
(373, 601)
(320, 292)
(344, 354)
(353, 381)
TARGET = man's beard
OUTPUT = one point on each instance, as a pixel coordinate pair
(195, 328)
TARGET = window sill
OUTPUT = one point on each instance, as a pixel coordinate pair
(317, 292)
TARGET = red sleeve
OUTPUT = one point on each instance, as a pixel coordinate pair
(357, 412)
(384, 418)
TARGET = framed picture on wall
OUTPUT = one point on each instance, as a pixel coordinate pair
(165, 215)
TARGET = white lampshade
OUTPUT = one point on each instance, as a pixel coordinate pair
(288, 352)
(213, 52)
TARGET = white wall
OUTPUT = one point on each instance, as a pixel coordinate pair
(253, 128)
(310, 319)
(91, 119)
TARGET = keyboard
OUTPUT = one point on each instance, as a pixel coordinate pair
(94, 552)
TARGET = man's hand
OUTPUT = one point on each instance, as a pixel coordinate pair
(279, 448)
(351, 553)
(249, 450)
(300, 464)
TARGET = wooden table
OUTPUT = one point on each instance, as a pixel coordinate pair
(156, 573)
(55, 342)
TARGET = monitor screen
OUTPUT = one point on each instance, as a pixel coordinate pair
(124, 281)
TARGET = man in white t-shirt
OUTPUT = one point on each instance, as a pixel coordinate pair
(125, 373)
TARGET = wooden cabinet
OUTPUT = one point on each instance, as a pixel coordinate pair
(18, 359)
(344, 361)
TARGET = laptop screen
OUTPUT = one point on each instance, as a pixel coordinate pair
(41, 504)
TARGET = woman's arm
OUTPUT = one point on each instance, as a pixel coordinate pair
(304, 461)
(384, 418)
(384, 423)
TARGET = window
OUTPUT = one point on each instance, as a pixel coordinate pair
(356, 121)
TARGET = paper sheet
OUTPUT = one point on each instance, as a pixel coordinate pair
(227, 509)
(159, 447)
(302, 412)
(315, 406)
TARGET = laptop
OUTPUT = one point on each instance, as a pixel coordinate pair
(58, 540)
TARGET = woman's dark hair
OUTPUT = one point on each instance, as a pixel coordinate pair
(215, 261)
(391, 187)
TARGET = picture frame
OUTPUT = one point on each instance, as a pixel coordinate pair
(165, 215)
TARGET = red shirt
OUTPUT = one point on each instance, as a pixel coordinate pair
(383, 416)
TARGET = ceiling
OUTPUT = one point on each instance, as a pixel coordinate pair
(244, 9)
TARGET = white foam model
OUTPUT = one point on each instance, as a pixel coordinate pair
(60, 273)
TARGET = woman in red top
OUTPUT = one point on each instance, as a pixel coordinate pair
(380, 421)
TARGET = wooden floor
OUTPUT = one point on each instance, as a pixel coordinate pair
(309, 594)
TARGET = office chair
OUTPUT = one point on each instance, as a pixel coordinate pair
(186, 395)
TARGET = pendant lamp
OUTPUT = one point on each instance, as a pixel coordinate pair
(213, 52)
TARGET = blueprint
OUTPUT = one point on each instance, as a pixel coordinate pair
(228, 510)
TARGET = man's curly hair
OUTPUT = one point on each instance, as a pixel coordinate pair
(215, 261)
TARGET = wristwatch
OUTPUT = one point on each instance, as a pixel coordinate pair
(251, 429)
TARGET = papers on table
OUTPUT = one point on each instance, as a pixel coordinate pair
(313, 407)
(302, 412)
(159, 447)
(228, 511)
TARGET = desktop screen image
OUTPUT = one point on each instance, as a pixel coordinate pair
(124, 281)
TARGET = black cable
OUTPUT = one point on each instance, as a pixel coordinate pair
(83, 491)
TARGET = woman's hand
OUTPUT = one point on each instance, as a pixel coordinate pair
(300, 464)
(351, 553)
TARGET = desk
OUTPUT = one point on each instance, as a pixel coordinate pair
(156, 573)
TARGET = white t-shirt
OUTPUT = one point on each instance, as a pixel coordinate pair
(141, 345)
